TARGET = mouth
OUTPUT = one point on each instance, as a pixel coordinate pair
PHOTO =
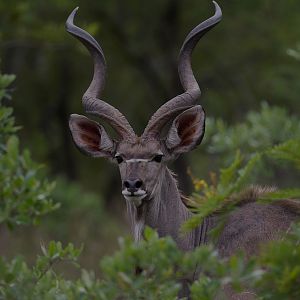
(135, 197)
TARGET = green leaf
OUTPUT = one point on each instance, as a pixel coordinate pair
(287, 151)
(13, 147)
(227, 175)
(6, 80)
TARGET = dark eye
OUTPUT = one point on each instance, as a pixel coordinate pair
(157, 158)
(118, 158)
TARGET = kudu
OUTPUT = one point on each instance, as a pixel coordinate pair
(149, 187)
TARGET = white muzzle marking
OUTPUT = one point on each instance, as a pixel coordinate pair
(136, 197)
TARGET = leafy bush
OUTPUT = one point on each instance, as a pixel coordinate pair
(161, 264)
(260, 130)
(153, 268)
(19, 281)
(233, 179)
(24, 195)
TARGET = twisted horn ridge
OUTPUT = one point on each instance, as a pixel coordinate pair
(192, 91)
(91, 103)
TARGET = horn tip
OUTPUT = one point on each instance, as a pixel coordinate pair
(218, 11)
(70, 19)
(75, 10)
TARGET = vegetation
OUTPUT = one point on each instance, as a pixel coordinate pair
(250, 94)
(24, 194)
(214, 196)
(54, 70)
(153, 268)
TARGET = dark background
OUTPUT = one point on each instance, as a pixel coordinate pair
(239, 64)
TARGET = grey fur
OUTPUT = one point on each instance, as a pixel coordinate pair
(150, 189)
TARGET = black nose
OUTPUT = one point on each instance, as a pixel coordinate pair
(133, 185)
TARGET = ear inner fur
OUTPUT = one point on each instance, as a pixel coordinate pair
(90, 137)
(187, 130)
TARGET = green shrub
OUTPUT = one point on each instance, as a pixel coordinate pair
(259, 130)
(153, 268)
(234, 178)
(24, 194)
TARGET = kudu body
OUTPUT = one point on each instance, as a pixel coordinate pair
(148, 186)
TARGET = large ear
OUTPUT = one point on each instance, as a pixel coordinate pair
(187, 130)
(90, 137)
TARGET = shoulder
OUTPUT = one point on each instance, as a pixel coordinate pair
(250, 223)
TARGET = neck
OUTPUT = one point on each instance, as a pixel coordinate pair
(165, 212)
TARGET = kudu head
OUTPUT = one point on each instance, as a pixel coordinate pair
(141, 159)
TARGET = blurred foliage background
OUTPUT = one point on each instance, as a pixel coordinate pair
(248, 69)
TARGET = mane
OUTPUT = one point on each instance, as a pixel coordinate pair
(256, 193)
(251, 194)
